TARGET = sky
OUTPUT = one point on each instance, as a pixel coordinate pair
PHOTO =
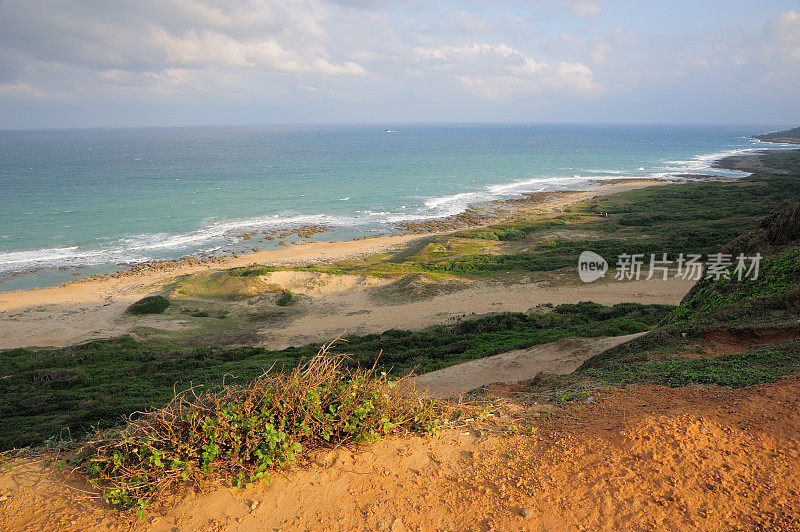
(142, 63)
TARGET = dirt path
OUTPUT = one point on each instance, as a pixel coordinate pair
(559, 357)
(356, 313)
(696, 458)
(77, 312)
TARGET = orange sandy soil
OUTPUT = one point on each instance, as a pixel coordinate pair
(701, 458)
(724, 342)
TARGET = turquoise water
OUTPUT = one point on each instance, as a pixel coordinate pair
(90, 200)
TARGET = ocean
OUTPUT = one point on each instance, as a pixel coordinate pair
(96, 200)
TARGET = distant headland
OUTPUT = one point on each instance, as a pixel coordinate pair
(790, 136)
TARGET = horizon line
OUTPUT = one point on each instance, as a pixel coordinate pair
(386, 124)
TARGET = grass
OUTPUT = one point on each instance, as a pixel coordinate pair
(244, 432)
(619, 367)
(778, 281)
(234, 284)
(791, 135)
(445, 345)
(755, 366)
(64, 392)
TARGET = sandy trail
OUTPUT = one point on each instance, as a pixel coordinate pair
(560, 357)
(695, 458)
(326, 316)
(356, 313)
(94, 309)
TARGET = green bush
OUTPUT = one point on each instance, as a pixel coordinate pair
(513, 234)
(69, 390)
(252, 271)
(149, 305)
(245, 432)
(285, 299)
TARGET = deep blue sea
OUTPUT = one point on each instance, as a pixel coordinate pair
(92, 200)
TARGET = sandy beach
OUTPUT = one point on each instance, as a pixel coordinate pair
(95, 308)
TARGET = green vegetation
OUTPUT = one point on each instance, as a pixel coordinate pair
(252, 271)
(755, 366)
(238, 283)
(777, 283)
(786, 161)
(791, 136)
(669, 357)
(149, 305)
(676, 218)
(56, 393)
(245, 432)
(746, 312)
(444, 345)
(62, 392)
(285, 299)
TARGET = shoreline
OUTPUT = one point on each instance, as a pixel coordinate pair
(330, 305)
(474, 216)
(246, 241)
(318, 252)
(90, 309)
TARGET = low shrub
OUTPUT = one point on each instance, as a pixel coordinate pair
(252, 271)
(285, 299)
(513, 234)
(244, 432)
(149, 305)
(758, 365)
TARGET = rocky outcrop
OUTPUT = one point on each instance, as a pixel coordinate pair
(775, 232)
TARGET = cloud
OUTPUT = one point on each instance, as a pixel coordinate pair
(499, 71)
(785, 29)
(585, 8)
(23, 89)
(93, 44)
(782, 36)
(359, 58)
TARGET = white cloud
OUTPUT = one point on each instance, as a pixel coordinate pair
(21, 89)
(498, 71)
(92, 44)
(585, 8)
(782, 36)
(210, 48)
(785, 29)
(595, 50)
(302, 55)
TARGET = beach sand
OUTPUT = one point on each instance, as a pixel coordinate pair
(95, 308)
(692, 458)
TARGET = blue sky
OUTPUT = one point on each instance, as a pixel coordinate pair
(84, 63)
